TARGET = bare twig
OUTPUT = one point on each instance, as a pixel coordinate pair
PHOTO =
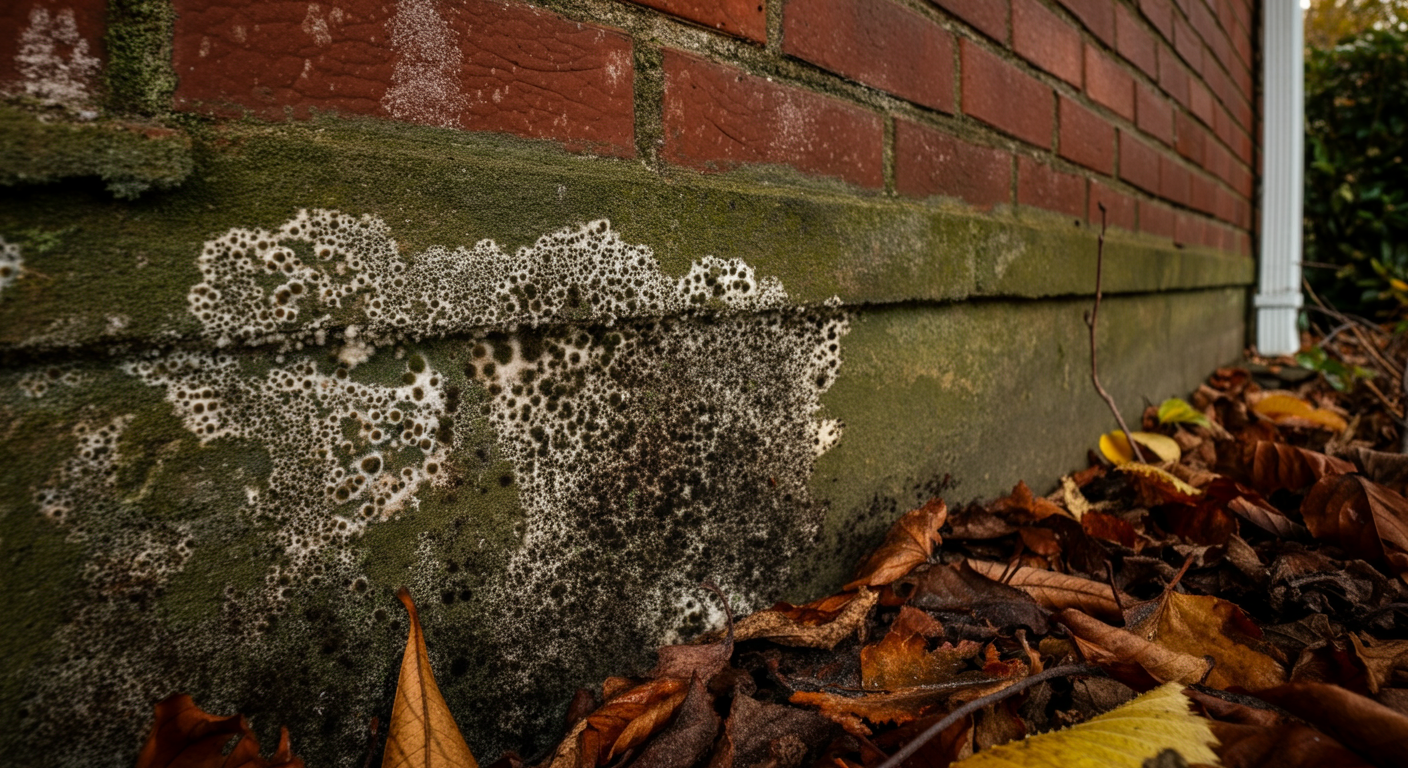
(1069, 670)
(1091, 319)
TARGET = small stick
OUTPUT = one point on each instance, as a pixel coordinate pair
(1090, 320)
(371, 741)
(1114, 590)
(909, 749)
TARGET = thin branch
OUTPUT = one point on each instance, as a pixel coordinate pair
(1090, 320)
(1069, 670)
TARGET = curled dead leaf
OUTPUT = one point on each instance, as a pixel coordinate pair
(1277, 466)
(1360, 723)
(1288, 410)
(422, 733)
(1116, 448)
(781, 628)
(901, 659)
(1125, 654)
(185, 736)
(910, 542)
(1023, 500)
(628, 719)
(1206, 626)
(1057, 591)
(1364, 518)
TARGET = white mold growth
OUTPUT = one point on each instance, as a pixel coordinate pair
(11, 264)
(54, 60)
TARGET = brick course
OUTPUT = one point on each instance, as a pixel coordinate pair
(1042, 186)
(1005, 97)
(988, 16)
(1154, 113)
(928, 162)
(1098, 16)
(1136, 43)
(743, 18)
(1085, 137)
(1119, 207)
(1108, 84)
(718, 117)
(1041, 37)
(1139, 163)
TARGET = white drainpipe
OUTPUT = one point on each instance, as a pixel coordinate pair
(1278, 298)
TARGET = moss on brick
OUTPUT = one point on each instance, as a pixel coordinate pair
(129, 158)
(140, 76)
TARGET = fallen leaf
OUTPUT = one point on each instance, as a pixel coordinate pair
(1206, 626)
(1156, 486)
(910, 542)
(1176, 410)
(902, 660)
(1286, 745)
(1075, 501)
(1381, 659)
(1277, 466)
(1386, 469)
(1360, 723)
(1362, 517)
(185, 736)
(641, 710)
(422, 733)
(689, 737)
(1125, 736)
(1110, 528)
(899, 706)
(757, 732)
(1116, 448)
(960, 589)
(779, 627)
(1266, 517)
(1289, 410)
(1057, 590)
(1023, 500)
(1123, 652)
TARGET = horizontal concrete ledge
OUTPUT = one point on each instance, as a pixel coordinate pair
(97, 271)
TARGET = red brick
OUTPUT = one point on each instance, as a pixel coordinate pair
(1244, 244)
(1242, 43)
(742, 18)
(1242, 12)
(1085, 137)
(1042, 186)
(1220, 84)
(1119, 207)
(929, 163)
(1188, 229)
(1243, 78)
(1109, 84)
(875, 42)
(1192, 138)
(1218, 162)
(1186, 42)
(1156, 219)
(1202, 192)
(476, 65)
(1098, 16)
(1041, 37)
(1173, 76)
(1204, 22)
(1241, 181)
(1155, 113)
(75, 30)
(1174, 180)
(718, 117)
(1005, 97)
(1160, 14)
(1200, 101)
(1136, 43)
(1139, 163)
(987, 16)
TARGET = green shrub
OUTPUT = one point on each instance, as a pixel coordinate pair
(1356, 181)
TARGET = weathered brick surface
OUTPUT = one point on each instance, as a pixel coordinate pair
(1098, 16)
(1202, 192)
(875, 42)
(477, 65)
(1154, 112)
(1192, 138)
(1109, 84)
(1189, 229)
(1042, 186)
(718, 117)
(1156, 219)
(1041, 37)
(744, 18)
(1174, 180)
(1005, 97)
(1119, 207)
(1173, 75)
(1085, 137)
(1139, 163)
(987, 16)
(1200, 101)
(1187, 44)
(1160, 14)
(1136, 43)
(52, 49)
(928, 163)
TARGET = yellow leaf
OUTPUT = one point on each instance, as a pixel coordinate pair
(423, 732)
(1289, 409)
(1176, 410)
(1125, 736)
(1116, 447)
(1159, 486)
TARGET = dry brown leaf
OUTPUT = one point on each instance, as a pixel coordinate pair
(1157, 487)
(185, 736)
(1206, 626)
(1023, 500)
(1123, 652)
(1110, 528)
(603, 733)
(422, 733)
(902, 659)
(878, 708)
(1364, 518)
(1380, 659)
(1288, 410)
(689, 737)
(1287, 744)
(910, 542)
(781, 628)
(1057, 590)
(1366, 726)
(1277, 466)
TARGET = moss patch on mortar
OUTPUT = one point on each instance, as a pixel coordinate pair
(130, 159)
(140, 76)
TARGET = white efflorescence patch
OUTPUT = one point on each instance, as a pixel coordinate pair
(54, 60)
(11, 264)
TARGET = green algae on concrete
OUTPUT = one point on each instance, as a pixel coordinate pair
(129, 158)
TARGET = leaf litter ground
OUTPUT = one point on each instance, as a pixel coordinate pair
(1252, 571)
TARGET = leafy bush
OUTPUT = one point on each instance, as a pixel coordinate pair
(1356, 183)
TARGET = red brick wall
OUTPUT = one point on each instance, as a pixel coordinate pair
(1145, 105)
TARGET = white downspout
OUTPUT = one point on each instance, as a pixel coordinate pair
(1278, 298)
